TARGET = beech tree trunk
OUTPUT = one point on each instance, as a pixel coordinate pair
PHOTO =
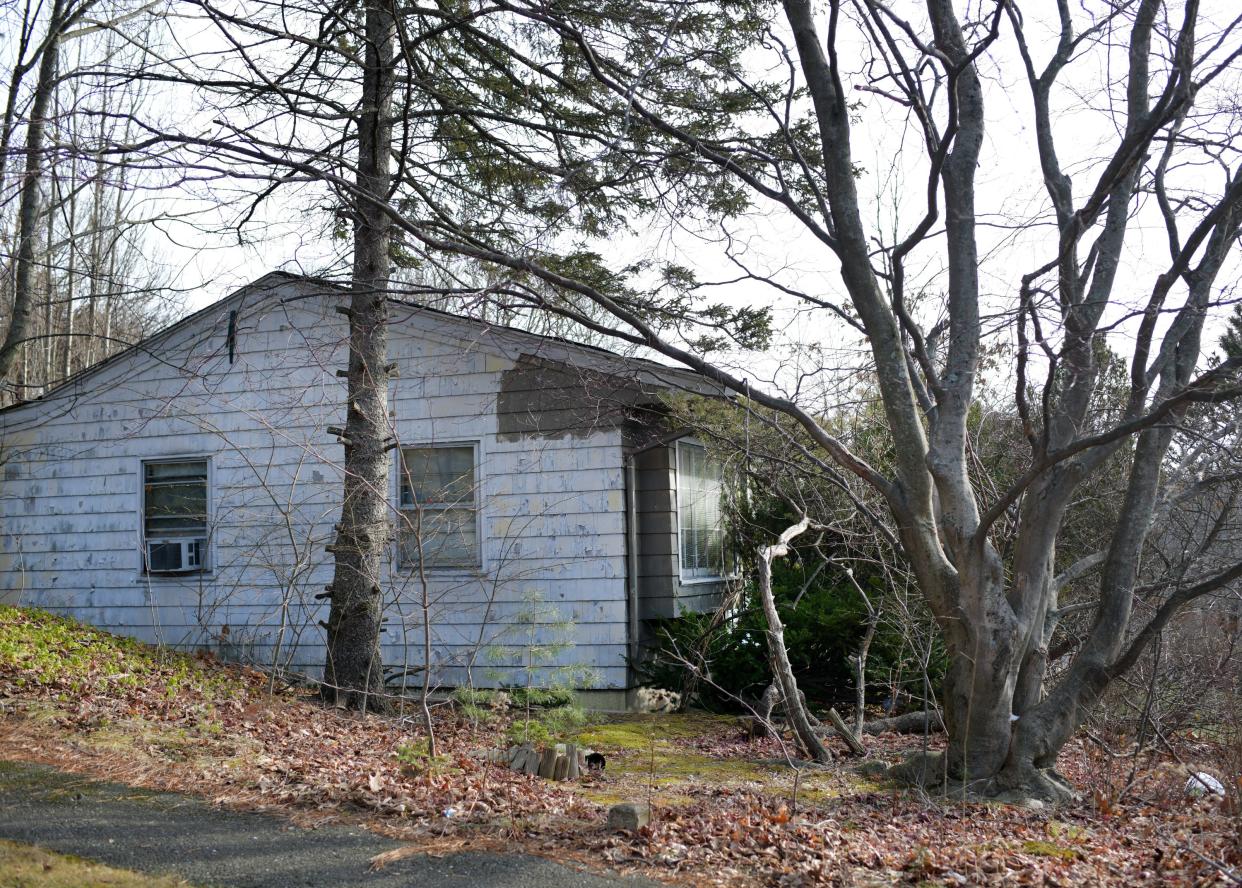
(353, 673)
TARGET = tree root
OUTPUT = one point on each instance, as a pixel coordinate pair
(910, 723)
(1033, 788)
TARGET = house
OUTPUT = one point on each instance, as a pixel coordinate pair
(183, 491)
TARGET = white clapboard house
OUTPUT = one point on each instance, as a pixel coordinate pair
(183, 492)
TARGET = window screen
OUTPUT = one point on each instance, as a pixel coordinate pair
(174, 499)
(174, 515)
(439, 506)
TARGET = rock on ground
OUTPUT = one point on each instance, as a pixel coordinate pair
(628, 816)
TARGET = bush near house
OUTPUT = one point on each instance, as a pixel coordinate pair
(824, 623)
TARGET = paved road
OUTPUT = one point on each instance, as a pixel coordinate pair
(174, 834)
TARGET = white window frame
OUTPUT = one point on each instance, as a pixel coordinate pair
(400, 509)
(690, 578)
(208, 567)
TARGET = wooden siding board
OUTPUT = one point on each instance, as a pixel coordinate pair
(70, 497)
(661, 593)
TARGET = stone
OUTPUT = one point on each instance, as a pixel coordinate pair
(656, 700)
(628, 816)
(872, 768)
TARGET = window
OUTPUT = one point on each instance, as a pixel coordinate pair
(174, 516)
(439, 506)
(700, 521)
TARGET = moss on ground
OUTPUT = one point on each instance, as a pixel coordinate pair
(27, 866)
(648, 745)
(657, 752)
(1048, 849)
(636, 731)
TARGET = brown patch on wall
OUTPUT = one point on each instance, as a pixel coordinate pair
(549, 399)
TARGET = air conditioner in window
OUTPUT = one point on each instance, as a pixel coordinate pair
(182, 555)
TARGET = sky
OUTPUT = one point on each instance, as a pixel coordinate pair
(206, 255)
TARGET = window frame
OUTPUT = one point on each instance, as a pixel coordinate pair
(208, 566)
(409, 565)
(684, 577)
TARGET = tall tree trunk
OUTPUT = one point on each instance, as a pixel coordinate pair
(92, 309)
(71, 268)
(28, 204)
(49, 288)
(978, 695)
(353, 673)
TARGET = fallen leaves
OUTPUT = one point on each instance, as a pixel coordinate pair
(194, 725)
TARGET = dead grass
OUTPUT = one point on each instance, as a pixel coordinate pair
(27, 866)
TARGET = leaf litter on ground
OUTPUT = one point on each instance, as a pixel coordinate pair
(727, 810)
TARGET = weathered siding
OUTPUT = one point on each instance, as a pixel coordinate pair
(662, 593)
(552, 508)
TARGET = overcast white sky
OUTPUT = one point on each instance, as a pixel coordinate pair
(289, 232)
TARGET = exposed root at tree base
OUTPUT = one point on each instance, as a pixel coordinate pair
(1032, 788)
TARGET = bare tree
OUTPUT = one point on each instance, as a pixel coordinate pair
(1005, 727)
(46, 53)
(77, 283)
(645, 108)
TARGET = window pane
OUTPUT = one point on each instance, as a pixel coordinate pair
(438, 476)
(448, 537)
(175, 499)
(172, 471)
(700, 517)
(162, 527)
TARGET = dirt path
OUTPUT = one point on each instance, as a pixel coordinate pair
(173, 834)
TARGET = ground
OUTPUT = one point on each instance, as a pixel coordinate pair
(727, 810)
(180, 837)
(23, 865)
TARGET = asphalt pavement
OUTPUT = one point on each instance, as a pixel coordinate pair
(174, 834)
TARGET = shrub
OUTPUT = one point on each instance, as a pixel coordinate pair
(540, 697)
(822, 632)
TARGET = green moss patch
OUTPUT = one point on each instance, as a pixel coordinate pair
(670, 755)
(637, 731)
(1048, 849)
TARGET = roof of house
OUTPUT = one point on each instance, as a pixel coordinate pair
(270, 283)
